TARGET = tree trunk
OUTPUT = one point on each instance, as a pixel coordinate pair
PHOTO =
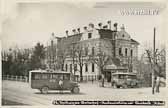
(81, 75)
(103, 80)
(102, 77)
(157, 84)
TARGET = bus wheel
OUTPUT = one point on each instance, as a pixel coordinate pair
(75, 90)
(44, 90)
(72, 91)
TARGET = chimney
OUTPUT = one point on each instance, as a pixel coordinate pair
(109, 23)
(78, 30)
(52, 34)
(100, 25)
(74, 31)
(91, 25)
(115, 26)
(122, 27)
(66, 32)
(105, 27)
(85, 28)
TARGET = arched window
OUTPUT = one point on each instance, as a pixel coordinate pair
(89, 35)
(75, 67)
(131, 53)
(126, 51)
(86, 51)
(66, 67)
(120, 51)
(86, 67)
(70, 67)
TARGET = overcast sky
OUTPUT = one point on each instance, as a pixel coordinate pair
(29, 23)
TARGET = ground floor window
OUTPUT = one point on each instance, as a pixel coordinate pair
(70, 67)
(75, 67)
(86, 67)
(66, 67)
(93, 67)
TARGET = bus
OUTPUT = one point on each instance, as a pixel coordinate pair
(124, 80)
(44, 81)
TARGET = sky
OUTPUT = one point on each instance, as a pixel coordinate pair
(25, 24)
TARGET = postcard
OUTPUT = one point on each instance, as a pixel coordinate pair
(73, 54)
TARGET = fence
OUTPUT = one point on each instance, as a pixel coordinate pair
(87, 78)
(15, 78)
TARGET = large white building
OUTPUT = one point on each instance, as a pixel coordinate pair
(117, 44)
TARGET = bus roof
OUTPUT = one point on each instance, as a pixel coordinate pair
(45, 71)
(122, 73)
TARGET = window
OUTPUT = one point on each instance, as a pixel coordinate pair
(44, 76)
(121, 76)
(75, 67)
(86, 67)
(66, 67)
(86, 51)
(89, 35)
(36, 76)
(66, 77)
(62, 67)
(131, 53)
(55, 76)
(52, 42)
(70, 67)
(93, 51)
(123, 35)
(125, 51)
(120, 51)
(93, 67)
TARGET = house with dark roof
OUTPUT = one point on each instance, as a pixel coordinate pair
(117, 44)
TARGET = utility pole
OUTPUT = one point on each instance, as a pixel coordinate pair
(153, 73)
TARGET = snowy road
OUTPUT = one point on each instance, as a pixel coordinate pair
(22, 93)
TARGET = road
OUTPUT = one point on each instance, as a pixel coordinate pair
(22, 93)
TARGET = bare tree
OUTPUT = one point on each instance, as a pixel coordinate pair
(100, 59)
(80, 58)
(62, 52)
(158, 65)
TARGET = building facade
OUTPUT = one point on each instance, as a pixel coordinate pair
(73, 51)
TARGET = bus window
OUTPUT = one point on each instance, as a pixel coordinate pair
(55, 76)
(66, 77)
(61, 77)
(44, 76)
(121, 77)
(36, 76)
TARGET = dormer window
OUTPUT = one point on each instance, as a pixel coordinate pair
(123, 35)
(89, 35)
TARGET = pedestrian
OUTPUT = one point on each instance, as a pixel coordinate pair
(61, 85)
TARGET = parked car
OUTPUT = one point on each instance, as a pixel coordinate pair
(45, 80)
(124, 80)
